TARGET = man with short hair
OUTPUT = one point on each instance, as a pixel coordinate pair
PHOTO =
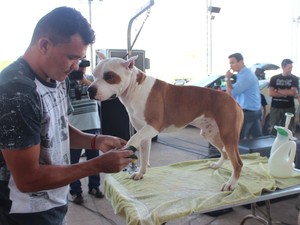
(283, 88)
(35, 134)
(246, 92)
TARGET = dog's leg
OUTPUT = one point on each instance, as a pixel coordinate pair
(227, 151)
(230, 152)
(142, 141)
(217, 142)
(210, 132)
(144, 160)
(237, 165)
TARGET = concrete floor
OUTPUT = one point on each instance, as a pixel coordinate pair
(171, 148)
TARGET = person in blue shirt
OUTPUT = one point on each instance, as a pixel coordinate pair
(246, 92)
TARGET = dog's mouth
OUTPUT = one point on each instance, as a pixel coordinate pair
(92, 92)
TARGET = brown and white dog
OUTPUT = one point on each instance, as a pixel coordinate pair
(155, 106)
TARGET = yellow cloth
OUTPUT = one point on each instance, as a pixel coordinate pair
(171, 192)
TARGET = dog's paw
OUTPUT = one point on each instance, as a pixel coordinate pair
(218, 164)
(229, 185)
(137, 176)
(215, 165)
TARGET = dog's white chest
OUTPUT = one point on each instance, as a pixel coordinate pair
(136, 101)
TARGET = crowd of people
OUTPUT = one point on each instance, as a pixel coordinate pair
(283, 88)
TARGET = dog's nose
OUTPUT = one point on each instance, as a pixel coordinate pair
(92, 92)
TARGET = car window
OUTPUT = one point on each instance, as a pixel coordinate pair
(220, 84)
(202, 82)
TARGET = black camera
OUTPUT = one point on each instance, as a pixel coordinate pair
(78, 75)
(84, 63)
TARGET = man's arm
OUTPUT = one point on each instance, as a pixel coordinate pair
(104, 143)
(31, 176)
(282, 92)
(228, 82)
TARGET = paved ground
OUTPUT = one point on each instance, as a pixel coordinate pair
(170, 148)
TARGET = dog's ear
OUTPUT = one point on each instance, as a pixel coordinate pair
(100, 55)
(131, 61)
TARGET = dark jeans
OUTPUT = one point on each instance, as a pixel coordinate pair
(94, 180)
(252, 124)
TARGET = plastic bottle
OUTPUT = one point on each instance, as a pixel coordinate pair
(283, 151)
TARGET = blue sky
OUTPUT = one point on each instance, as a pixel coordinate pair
(175, 34)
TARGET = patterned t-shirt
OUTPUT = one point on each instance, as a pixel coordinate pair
(283, 82)
(32, 112)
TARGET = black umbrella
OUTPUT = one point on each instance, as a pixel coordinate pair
(260, 68)
(266, 66)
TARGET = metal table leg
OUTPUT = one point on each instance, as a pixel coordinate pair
(267, 214)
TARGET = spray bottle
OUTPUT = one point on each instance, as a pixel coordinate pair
(283, 151)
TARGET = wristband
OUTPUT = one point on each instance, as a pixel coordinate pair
(93, 142)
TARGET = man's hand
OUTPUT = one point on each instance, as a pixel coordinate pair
(106, 143)
(85, 81)
(114, 161)
(228, 74)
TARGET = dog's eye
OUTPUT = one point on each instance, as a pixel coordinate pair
(108, 76)
(111, 77)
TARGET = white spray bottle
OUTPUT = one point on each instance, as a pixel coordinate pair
(283, 151)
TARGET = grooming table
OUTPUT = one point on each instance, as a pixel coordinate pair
(171, 192)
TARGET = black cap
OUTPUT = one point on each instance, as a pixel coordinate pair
(286, 62)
